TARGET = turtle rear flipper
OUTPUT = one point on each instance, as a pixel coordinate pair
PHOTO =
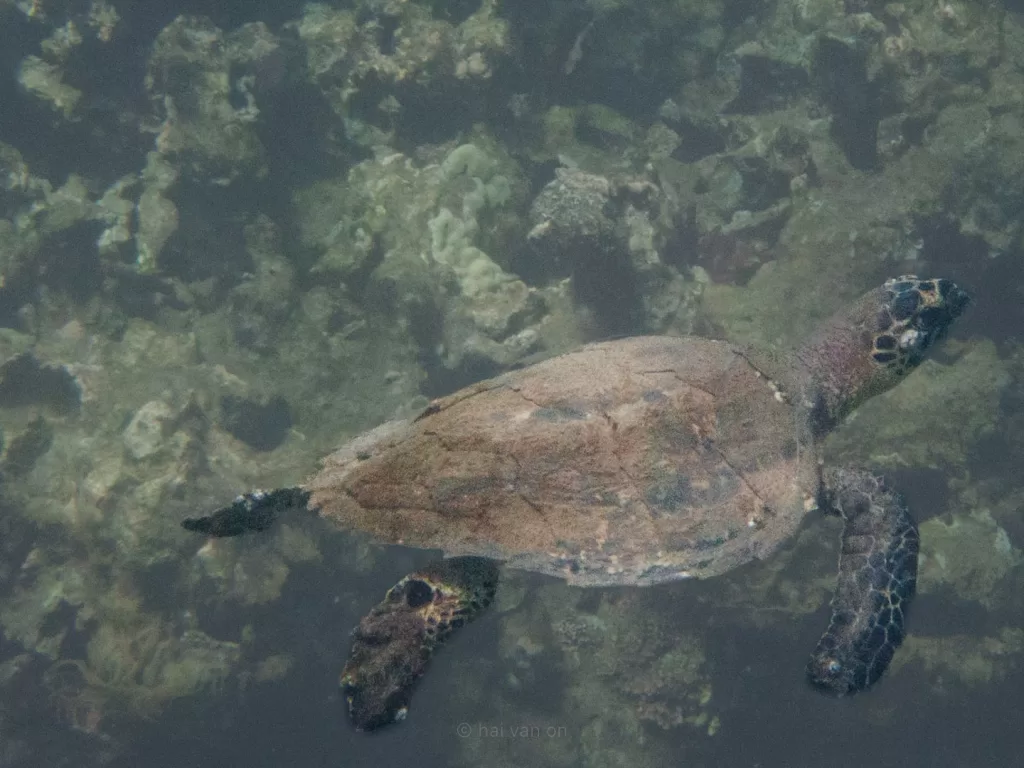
(877, 581)
(393, 643)
(254, 511)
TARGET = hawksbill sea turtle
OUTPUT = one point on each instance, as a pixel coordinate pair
(635, 461)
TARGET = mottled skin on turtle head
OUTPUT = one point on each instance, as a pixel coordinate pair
(393, 644)
(870, 347)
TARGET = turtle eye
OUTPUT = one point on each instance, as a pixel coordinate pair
(831, 669)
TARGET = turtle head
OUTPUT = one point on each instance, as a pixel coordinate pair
(873, 345)
(913, 315)
(394, 642)
(390, 649)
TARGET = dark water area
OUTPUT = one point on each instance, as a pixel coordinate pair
(233, 235)
(774, 718)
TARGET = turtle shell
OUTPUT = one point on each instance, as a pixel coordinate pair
(634, 461)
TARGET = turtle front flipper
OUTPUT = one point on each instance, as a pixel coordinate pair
(393, 643)
(877, 580)
(254, 511)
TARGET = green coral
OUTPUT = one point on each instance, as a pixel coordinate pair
(437, 232)
(969, 554)
(24, 614)
(134, 667)
(453, 234)
(968, 659)
(430, 237)
(156, 213)
(255, 577)
(627, 662)
(190, 83)
(135, 661)
(347, 58)
(46, 81)
(657, 668)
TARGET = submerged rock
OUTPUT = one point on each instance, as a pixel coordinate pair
(197, 82)
(965, 659)
(613, 235)
(395, 66)
(432, 241)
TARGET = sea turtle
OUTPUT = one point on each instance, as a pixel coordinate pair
(635, 461)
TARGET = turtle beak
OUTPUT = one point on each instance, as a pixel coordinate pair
(940, 307)
(956, 298)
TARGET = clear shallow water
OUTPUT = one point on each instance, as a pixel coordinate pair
(482, 691)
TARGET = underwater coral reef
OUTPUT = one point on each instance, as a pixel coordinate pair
(233, 236)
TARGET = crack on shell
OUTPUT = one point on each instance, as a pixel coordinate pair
(519, 391)
(443, 404)
(687, 382)
(622, 468)
(708, 441)
(780, 392)
(532, 505)
(480, 518)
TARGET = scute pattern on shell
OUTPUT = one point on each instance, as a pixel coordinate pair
(634, 461)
